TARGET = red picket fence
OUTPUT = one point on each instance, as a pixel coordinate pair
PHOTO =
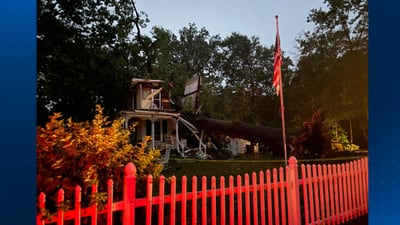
(324, 194)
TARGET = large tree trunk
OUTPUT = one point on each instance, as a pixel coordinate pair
(259, 134)
(311, 139)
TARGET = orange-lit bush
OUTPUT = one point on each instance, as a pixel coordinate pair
(82, 153)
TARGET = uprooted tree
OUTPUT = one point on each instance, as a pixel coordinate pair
(313, 139)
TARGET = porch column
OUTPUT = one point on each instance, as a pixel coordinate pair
(152, 132)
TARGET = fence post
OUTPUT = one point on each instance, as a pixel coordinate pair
(293, 196)
(129, 194)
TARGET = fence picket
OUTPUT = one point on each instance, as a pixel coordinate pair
(364, 187)
(184, 199)
(231, 201)
(359, 189)
(239, 199)
(336, 218)
(316, 197)
(40, 218)
(341, 193)
(262, 197)
(348, 191)
(255, 199)
(247, 197)
(305, 194)
(311, 194)
(162, 199)
(129, 194)
(173, 201)
(353, 194)
(269, 197)
(222, 200)
(194, 200)
(321, 193)
(276, 196)
(326, 194)
(213, 200)
(331, 194)
(110, 200)
(204, 200)
(365, 184)
(282, 186)
(78, 199)
(60, 204)
(93, 210)
(149, 198)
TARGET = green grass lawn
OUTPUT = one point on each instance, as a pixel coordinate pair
(218, 168)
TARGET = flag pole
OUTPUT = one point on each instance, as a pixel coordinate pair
(282, 108)
(283, 122)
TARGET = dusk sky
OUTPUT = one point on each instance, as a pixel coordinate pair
(251, 18)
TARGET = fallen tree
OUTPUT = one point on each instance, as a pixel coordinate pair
(311, 139)
(260, 134)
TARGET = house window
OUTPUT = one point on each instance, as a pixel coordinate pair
(151, 98)
(156, 100)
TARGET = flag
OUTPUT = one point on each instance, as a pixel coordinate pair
(277, 61)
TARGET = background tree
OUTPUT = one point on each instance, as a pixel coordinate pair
(86, 55)
(245, 75)
(333, 66)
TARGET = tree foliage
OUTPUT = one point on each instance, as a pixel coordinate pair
(87, 55)
(332, 71)
(84, 153)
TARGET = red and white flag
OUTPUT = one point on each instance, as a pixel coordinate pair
(277, 61)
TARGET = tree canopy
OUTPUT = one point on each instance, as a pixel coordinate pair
(87, 54)
(332, 72)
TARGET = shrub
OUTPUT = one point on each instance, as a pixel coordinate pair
(341, 136)
(84, 153)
